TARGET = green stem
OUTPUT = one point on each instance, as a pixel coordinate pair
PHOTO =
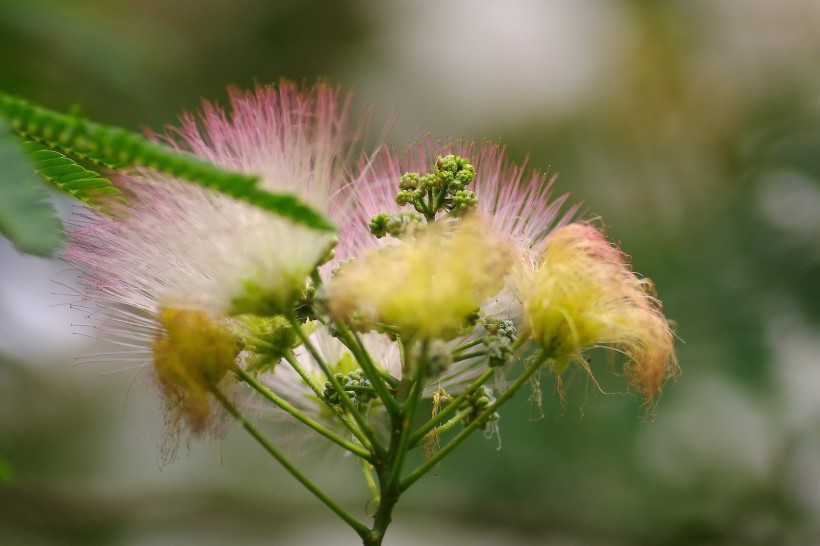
(378, 377)
(506, 395)
(357, 433)
(408, 411)
(467, 356)
(367, 470)
(440, 199)
(389, 379)
(348, 404)
(388, 328)
(316, 278)
(357, 526)
(360, 388)
(450, 408)
(351, 343)
(421, 207)
(390, 471)
(305, 377)
(469, 344)
(354, 343)
(324, 431)
(403, 356)
(455, 420)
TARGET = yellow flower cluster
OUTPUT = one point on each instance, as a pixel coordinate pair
(427, 287)
(581, 293)
(191, 355)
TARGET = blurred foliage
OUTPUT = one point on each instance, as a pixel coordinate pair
(704, 164)
(141, 63)
(26, 216)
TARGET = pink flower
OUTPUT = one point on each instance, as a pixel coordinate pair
(516, 203)
(180, 250)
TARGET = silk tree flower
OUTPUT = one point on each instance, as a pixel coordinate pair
(516, 203)
(427, 286)
(580, 293)
(163, 278)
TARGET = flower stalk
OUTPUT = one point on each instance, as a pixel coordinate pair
(301, 417)
(357, 526)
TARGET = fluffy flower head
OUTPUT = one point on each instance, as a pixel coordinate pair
(427, 286)
(191, 356)
(183, 246)
(581, 293)
(162, 277)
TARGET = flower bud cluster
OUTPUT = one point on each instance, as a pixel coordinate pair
(355, 384)
(476, 403)
(500, 327)
(498, 342)
(442, 189)
(399, 225)
(498, 351)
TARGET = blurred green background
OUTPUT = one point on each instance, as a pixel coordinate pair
(692, 127)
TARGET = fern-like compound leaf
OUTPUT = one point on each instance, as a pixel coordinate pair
(88, 186)
(117, 148)
(27, 218)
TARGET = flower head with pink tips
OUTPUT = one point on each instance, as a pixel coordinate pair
(452, 264)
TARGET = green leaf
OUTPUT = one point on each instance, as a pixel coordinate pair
(64, 173)
(27, 218)
(117, 148)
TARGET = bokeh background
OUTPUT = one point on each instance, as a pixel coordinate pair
(692, 127)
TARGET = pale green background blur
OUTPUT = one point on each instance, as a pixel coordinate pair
(692, 127)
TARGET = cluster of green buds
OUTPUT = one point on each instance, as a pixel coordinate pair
(444, 189)
(476, 403)
(355, 384)
(499, 341)
(399, 225)
(310, 298)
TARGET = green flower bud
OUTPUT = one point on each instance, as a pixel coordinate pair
(409, 181)
(269, 338)
(499, 351)
(477, 403)
(428, 182)
(404, 223)
(355, 385)
(463, 201)
(500, 327)
(447, 164)
(472, 319)
(404, 197)
(378, 223)
(466, 174)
